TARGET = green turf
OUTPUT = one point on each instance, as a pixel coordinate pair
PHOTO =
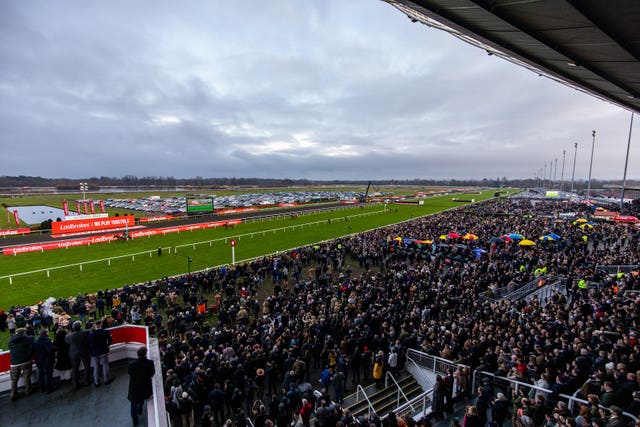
(206, 248)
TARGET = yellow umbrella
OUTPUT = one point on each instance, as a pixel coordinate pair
(443, 237)
(527, 242)
(470, 236)
(580, 221)
(586, 225)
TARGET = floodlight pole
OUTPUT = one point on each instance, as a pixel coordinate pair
(555, 172)
(562, 173)
(626, 162)
(593, 143)
(545, 175)
(83, 188)
(573, 174)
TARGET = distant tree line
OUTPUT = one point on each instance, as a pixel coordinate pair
(132, 181)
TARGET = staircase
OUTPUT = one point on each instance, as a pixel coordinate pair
(384, 400)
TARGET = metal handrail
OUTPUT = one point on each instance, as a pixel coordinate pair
(424, 376)
(400, 410)
(386, 377)
(519, 384)
(369, 404)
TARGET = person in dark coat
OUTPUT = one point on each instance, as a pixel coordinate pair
(99, 342)
(79, 351)
(439, 393)
(45, 356)
(63, 363)
(141, 371)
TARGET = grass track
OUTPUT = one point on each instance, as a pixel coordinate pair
(71, 280)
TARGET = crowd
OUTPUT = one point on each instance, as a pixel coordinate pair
(334, 315)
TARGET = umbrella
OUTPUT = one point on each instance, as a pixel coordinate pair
(506, 238)
(526, 242)
(470, 236)
(398, 239)
(546, 238)
(478, 251)
(497, 240)
(443, 237)
(586, 225)
(453, 235)
(554, 235)
(579, 221)
(516, 236)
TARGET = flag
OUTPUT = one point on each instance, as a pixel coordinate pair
(78, 207)
(84, 205)
(92, 207)
(15, 217)
(102, 206)
(8, 217)
(65, 206)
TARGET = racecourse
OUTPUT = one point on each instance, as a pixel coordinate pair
(28, 278)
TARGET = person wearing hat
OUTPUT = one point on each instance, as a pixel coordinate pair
(141, 372)
(21, 351)
(44, 354)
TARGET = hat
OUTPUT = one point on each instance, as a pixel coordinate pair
(21, 331)
(615, 409)
(207, 407)
(185, 395)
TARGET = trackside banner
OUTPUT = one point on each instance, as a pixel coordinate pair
(104, 238)
(156, 218)
(15, 232)
(80, 225)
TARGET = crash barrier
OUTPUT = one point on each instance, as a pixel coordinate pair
(528, 291)
(505, 385)
(126, 340)
(615, 269)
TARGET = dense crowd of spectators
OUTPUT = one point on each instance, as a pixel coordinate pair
(332, 315)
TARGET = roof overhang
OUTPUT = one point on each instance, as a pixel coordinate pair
(590, 45)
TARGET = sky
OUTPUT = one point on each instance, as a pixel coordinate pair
(314, 89)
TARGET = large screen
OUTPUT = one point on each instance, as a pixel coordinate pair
(199, 204)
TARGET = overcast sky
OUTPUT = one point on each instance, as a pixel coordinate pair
(317, 89)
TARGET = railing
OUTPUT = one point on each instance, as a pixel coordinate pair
(126, 341)
(545, 293)
(530, 288)
(275, 230)
(419, 404)
(370, 407)
(400, 392)
(614, 269)
(507, 383)
(428, 382)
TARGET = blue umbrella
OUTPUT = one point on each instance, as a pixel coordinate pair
(478, 251)
(553, 236)
(516, 236)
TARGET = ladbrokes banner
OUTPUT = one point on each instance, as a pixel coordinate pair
(39, 247)
(80, 225)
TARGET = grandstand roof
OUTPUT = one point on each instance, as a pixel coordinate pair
(590, 45)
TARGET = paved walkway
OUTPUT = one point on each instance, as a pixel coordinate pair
(104, 406)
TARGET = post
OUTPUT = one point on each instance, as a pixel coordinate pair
(573, 174)
(555, 171)
(562, 173)
(233, 252)
(593, 143)
(626, 162)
